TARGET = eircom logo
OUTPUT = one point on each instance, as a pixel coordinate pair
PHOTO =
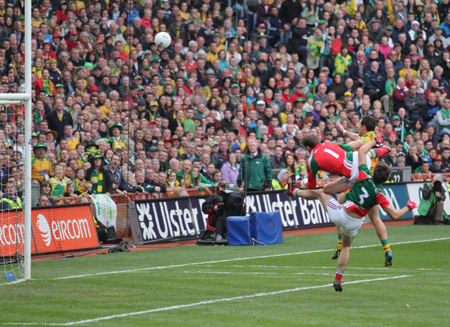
(43, 226)
(61, 230)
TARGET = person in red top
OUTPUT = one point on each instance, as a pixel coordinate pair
(298, 93)
(400, 93)
(61, 14)
(72, 42)
(48, 52)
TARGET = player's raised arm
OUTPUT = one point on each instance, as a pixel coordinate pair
(351, 135)
(396, 214)
(362, 152)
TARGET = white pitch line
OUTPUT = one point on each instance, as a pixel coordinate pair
(274, 273)
(196, 304)
(238, 259)
(230, 272)
(330, 267)
(13, 282)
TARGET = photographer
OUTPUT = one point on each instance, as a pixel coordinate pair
(432, 203)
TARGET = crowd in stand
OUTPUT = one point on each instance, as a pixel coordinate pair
(113, 113)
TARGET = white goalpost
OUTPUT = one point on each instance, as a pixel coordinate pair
(15, 236)
(28, 122)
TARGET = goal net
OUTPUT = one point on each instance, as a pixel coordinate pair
(12, 218)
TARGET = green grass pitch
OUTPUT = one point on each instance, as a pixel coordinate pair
(280, 285)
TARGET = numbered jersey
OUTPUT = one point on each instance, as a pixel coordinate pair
(365, 194)
(333, 158)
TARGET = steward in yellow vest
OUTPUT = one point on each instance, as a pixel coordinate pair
(10, 200)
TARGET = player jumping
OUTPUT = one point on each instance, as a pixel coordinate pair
(365, 194)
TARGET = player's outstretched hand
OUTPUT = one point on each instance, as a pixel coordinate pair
(379, 139)
(411, 205)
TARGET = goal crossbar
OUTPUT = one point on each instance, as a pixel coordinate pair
(6, 102)
(15, 96)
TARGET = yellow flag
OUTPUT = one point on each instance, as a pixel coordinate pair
(390, 9)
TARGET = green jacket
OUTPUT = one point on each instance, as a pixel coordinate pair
(256, 172)
(428, 198)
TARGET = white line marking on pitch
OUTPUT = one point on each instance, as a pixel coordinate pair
(195, 304)
(239, 259)
(327, 267)
(229, 272)
(273, 273)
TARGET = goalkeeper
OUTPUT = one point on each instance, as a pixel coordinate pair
(365, 193)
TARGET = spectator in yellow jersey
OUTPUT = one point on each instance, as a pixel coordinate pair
(115, 132)
(58, 183)
(41, 165)
(72, 141)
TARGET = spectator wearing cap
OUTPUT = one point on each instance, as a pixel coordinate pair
(401, 159)
(72, 41)
(438, 35)
(436, 166)
(400, 124)
(298, 93)
(40, 165)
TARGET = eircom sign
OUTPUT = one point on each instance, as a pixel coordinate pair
(53, 229)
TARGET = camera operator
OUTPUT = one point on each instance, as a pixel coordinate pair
(225, 202)
(214, 208)
(432, 203)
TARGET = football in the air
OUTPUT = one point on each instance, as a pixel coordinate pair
(162, 40)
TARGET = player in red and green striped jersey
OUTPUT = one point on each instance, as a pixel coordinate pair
(365, 194)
